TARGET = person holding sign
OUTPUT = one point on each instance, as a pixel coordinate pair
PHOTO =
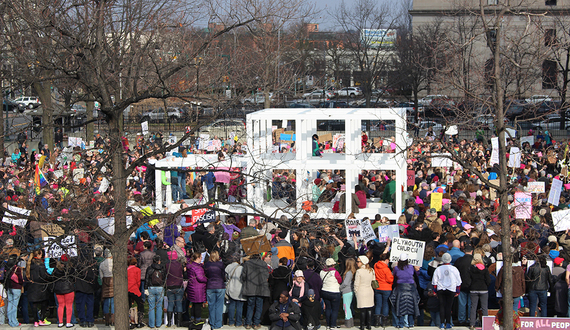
(404, 297)
(446, 283)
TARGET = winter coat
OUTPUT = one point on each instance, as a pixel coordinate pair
(234, 285)
(174, 274)
(254, 278)
(170, 233)
(86, 281)
(38, 286)
(285, 249)
(315, 281)
(519, 286)
(463, 264)
(149, 275)
(479, 279)
(405, 300)
(145, 260)
(65, 280)
(363, 288)
(11, 284)
(279, 280)
(294, 314)
(197, 281)
(561, 294)
(134, 280)
(538, 278)
(384, 276)
(216, 276)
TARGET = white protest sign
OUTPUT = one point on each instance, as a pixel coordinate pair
(555, 190)
(58, 173)
(495, 152)
(172, 139)
(536, 187)
(390, 231)
(561, 220)
(352, 227)
(366, 231)
(144, 126)
(414, 249)
(108, 224)
(78, 174)
(529, 139)
(14, 219)
(55, 247)
(104, 185)
(440, 160)
(515, 157)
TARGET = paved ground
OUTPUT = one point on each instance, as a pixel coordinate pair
(100, 326)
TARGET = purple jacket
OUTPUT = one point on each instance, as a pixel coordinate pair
(170, 234)
(196, 289)
(215, 274)
(174, 274)
(230, 230)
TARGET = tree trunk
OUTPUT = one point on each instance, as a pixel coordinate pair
(90, 105)
(2, 129)
(44, 92)
(121, 237)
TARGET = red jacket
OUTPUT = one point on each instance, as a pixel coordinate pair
(134, 276)
(383, 276)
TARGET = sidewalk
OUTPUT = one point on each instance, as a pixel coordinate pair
(225, 327)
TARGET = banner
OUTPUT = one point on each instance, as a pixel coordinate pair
(561, 220)
(436, 201)
(202, 215)
(536, 187)
(495, 151)
(555, 190)
(389, 231)
(523, 205)
(438, 161)
(14, 219)
(534, 323)
(55, 247)
(414, 249)
(411, 178)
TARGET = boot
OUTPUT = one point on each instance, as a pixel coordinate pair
(112, 319)
(178, 319)
(385, 321)
(376, 320)
(140, 323)
(349, 323)
(168, 319)
(369, 318)
(362, 319)
(107, 319)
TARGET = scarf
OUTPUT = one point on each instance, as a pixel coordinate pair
(301, 292)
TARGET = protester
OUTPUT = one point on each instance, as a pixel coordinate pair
(364, 291)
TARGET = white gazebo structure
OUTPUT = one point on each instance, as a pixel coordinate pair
(263, 158)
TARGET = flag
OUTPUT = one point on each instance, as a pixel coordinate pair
(40, 179)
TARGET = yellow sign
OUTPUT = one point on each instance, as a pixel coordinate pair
(436, 199)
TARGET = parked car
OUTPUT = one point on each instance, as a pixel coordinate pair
(349, 91)
(10, 105)
(29, 102)
(159, 115)
(538, 99)
(551, 121)
(331, 125)
(300, 105)
(425, 124)
(319, 94)
(223, 128)
(333, 104)
(257, 98)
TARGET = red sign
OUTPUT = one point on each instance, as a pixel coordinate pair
(534, 323)
(411, 178)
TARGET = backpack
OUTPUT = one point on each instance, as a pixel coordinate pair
(157, 278)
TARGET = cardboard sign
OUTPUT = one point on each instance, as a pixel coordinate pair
(523, 205)
(366, 231)
(51, 230)
(325, 137)
(436, 201)
(411, 178)
(377, 142)
(55, 247)
(536, 187)
(492, 191)
(13, 218)
(561, 220)
(414, 249)
(389, 231)
(555, 190)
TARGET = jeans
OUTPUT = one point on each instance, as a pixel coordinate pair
(254, 302)
(476, 297)
(13, 299)
(176, 192)
(534, 297)
(143, 296)
(235, 312)
(84, 303)
(404, 321)
(175, 297)
(155, 297)
(381, 299)
(109, 302)
(332, 305)
(463, 305)
(516, 302)
(346, 304)
(24, 303)
(435, 319)
(182, 184)
(215, 306)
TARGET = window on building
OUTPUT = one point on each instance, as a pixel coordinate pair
(549, 74)
(550, 2)
(550, 37)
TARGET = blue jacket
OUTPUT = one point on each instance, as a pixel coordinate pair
(455, 254)
(146, 228)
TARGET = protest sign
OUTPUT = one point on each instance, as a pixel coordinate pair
(108, 224)
(523, 205)
(55, 247)
(436, 201)
(515, 157)
(58, 173)
(536, 187)
(531, 323)
(411, 178)
(561, 220)
(14, 219)
(352, 227)
(492, 191)
(414, 249)
(104, 185)
(366, 231)
(51, 230)
(441, 160)
(555, 190)
(78, 173)
(390, 231)
(529, 139)
(325, 137)
(495, 151)
(144, 126)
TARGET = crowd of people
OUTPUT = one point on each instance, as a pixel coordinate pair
(312, 273)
